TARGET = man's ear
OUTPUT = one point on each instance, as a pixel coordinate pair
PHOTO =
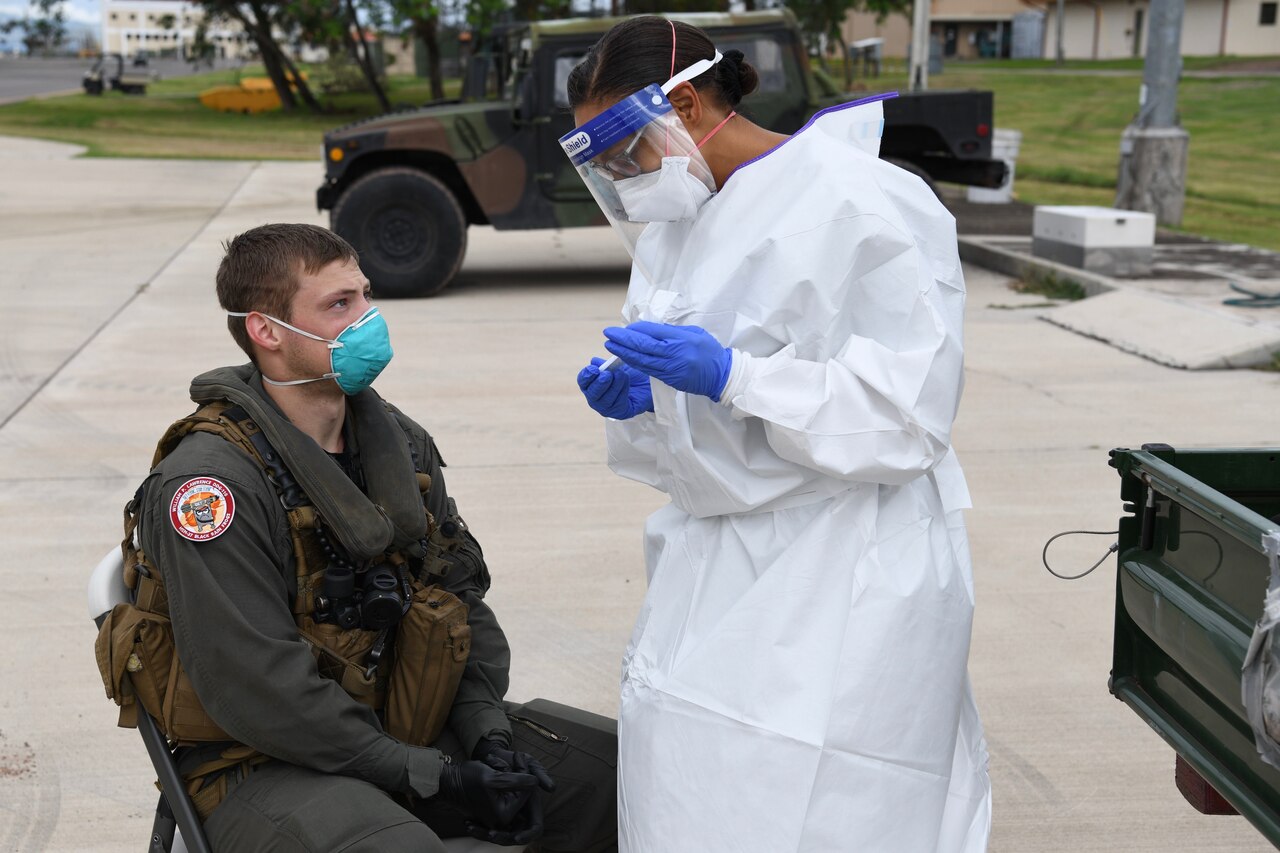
(687, 103)
(264, 333)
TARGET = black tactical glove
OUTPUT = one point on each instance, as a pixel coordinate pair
(492, 797)
(499, 757)
(528, 824)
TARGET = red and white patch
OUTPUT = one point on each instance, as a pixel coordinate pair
(202, 509)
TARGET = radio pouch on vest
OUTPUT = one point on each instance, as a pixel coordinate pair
(432, 644)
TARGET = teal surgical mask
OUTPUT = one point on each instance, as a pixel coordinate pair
(356, 356)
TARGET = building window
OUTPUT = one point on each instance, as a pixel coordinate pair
(1267, 15)
(113, 16)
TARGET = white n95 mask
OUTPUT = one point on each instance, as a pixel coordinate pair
(670, 194)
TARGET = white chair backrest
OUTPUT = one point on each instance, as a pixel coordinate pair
(106, 584)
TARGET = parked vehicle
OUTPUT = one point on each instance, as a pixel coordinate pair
(404, 187)
(109, 73)
(1193, 576)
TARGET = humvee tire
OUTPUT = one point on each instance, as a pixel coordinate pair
(407, 226)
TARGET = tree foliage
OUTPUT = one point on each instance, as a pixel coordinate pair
(44, 26)
(824, 19)
(422, 18)
(658, 7)
(261, 20)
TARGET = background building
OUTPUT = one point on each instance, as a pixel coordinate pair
(165, 27)
(1092, 29)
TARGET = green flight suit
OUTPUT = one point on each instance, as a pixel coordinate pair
(333, 766)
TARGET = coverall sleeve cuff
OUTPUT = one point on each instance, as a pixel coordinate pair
(484, 723)
(422, 767)
(739, 376)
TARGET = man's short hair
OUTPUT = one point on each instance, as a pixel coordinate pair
(262, 267)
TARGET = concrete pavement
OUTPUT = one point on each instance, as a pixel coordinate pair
(111, 311)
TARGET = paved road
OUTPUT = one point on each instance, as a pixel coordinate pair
(110, 311)
(22, 77)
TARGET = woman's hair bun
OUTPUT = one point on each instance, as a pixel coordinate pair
(738, 79)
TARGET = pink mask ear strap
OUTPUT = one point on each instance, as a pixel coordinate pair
(673, 49)
(716, 129)
(667, 143)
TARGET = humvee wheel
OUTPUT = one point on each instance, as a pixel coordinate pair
(407, 226)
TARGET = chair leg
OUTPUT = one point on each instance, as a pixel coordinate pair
(171, 786)
(162, 829)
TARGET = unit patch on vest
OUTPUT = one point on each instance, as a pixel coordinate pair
(202, 509)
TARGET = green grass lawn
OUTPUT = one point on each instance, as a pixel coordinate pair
(1070, 125)
(1189, 63)
(170, 121)
(1071, 130)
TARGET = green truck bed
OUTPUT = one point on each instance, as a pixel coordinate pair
(1191, 581)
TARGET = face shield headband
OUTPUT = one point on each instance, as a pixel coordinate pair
(627, 118)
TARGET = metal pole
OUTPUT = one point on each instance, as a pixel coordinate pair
(1059, 54)
(1153, 148)
(919, 75)
(1158, 101)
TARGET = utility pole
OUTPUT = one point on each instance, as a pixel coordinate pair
(919, 72)
(1153, 149)
(1059, 53)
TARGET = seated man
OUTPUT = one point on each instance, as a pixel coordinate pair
(339, 679)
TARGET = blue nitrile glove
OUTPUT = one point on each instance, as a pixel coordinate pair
(619, 392)
(687, 358)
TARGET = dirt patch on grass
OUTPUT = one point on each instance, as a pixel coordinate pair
(1270, 64)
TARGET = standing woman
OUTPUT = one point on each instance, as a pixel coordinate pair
(789, 375)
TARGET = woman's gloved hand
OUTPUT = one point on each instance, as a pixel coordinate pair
(619, 392)
(687, 358)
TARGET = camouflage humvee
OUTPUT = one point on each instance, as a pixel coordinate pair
(403, 188)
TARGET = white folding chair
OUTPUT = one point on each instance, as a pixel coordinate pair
(177, 828)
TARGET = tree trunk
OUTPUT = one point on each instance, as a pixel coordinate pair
(844, 55)
(304, 90)
(361, 56)
(260, 29)
(427, 29)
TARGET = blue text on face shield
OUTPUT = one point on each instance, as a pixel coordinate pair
(625, 118)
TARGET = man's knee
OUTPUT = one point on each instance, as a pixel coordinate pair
(283, 807)
(412, 836)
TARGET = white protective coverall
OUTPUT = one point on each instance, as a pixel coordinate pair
(797, 676)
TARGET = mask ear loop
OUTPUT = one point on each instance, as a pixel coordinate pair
(332, 344)
(673, 49)
(715, 130)
(670, 74)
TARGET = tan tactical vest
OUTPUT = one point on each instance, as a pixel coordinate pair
(139, 662)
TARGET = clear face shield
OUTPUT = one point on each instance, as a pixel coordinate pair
(639, 161)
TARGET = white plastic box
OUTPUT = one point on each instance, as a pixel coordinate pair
(1100, 239)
